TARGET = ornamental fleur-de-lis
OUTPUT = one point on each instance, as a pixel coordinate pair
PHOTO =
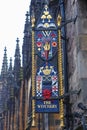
(33, 20)
(46, 12)
(49, 17)
(43, 17)
(59, 20)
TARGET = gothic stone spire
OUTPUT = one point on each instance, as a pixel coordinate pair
(4, 64)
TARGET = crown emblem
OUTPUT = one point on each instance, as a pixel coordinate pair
(47, 70)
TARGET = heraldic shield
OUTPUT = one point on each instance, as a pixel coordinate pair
(46, 44)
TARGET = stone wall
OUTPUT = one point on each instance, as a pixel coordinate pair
(82, 48)
(77, 50)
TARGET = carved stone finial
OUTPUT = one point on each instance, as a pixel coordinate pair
(17, 40)
(59, 20)
(33, 19)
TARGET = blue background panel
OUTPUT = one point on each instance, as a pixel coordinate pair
(47, 106)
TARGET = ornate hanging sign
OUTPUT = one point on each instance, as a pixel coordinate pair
(46, 47)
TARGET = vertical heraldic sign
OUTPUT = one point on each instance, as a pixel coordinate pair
(46, 47)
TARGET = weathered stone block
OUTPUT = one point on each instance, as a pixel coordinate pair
(83, 86)
(82, 64)
(82, 25)
(82, 8)
(82, 39)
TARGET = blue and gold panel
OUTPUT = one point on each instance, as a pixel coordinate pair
(46, 44)
(47, 89)
(46, 48)
(47, 106)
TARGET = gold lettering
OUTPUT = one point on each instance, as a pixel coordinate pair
(38, 106)
(47, 106)
(47, 102)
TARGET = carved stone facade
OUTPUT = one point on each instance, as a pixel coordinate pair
(76, 35)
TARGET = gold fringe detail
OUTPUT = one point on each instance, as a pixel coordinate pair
(33, 81)
(60, 70)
